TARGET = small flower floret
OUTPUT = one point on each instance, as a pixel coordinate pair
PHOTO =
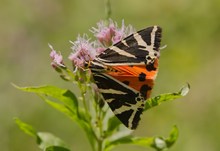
(57, 59)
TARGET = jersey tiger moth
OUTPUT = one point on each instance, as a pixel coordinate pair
(125, 73)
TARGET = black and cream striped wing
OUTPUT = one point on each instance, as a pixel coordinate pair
(137, 49)
(126, 103)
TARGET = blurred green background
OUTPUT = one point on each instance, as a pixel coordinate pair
(191, 31)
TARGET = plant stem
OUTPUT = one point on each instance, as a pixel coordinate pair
(108, 9)
(100, 145)
(100, 130)
(100, 134)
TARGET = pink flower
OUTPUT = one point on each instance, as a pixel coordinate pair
(123, 32)
(109, 33)
(57, 59)
(103, 33)
(83, 51)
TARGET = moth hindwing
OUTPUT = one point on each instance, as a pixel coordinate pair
(125, 73)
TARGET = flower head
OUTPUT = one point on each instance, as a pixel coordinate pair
(57, 59)
(121, 33)
(103, 33)
(109, 33)
(83, 51)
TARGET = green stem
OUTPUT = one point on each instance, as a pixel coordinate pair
(83, 89)
(84, 103)
(108, 9)
(100, 128)
(100, 142)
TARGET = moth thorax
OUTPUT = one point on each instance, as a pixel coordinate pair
(152, 56)
(140, 100)
(139, 97)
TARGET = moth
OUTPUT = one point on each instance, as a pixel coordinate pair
(125, 73)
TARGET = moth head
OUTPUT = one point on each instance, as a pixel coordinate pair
(152, 56)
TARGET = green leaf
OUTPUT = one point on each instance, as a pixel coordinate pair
(26, 128)
(122, 136)
(43, 139)
(173, 137)
(83, 123)
(68, 105)
(129, 140)
(159, 143)
(82, 120)
(56, 148)
(69, 102)
(152, 102)
(48, 139)
(60, 107)
(63, 95)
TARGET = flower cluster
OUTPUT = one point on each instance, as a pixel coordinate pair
(84, 50)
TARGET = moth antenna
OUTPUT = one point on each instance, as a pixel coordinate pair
(163, 47)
